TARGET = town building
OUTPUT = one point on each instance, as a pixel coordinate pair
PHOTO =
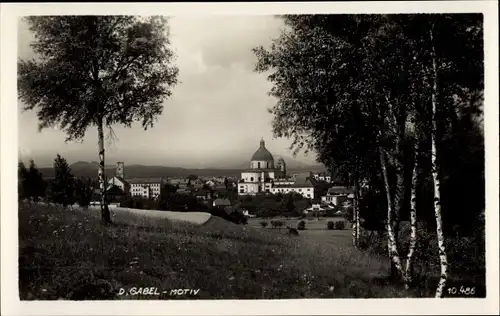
(338, 195)
(302, 185)
(323, 176)
(264, 176)
(203, 194)
(148, 188)
(222, 203)
(143, 187)
(258, 177)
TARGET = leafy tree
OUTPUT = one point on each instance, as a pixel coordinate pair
(62, 187)
(83, 191)
(22, 179)
(355, 88)
(168, 189)
(317, 68)
(193, 177)
(96, 71)
(289, 204)
(35, 186)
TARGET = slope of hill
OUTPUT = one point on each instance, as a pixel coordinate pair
(223, 260)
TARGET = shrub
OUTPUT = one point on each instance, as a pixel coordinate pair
(301, 225)
(237, 217)
(329, 225)
(339, 225)
(348, 214)
(263, 224)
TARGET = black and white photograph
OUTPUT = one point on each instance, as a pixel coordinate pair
(286, 157)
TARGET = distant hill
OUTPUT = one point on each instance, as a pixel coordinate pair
(89, 169)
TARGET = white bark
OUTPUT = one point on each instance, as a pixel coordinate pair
(391, 242)
(105, 215)
(355, 221)
(413, 221)
(435, 176)
(356, 209)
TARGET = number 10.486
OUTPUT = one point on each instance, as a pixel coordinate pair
(462, 290)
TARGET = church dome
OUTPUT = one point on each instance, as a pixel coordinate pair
(262, 154)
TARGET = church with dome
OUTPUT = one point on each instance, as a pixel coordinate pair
(266, 176)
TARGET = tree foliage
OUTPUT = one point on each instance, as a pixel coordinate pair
(31, 184)
(89, 68)
(22, 181)
(84, 188)
(62, 187)
(97, 71)
(353, 87)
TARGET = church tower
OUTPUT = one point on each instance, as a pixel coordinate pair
(281, 165)
(120, 172)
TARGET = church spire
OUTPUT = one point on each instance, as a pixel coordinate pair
(262, 142)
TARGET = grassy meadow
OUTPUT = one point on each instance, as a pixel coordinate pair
(68, 254)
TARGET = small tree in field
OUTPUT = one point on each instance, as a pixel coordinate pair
(34, 184)
(22, 176)
(62, 187)
(83, 191)
(97, 71)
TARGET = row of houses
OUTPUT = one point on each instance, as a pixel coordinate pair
(214, 188)
(152, 187)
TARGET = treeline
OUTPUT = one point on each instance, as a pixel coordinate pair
(63, 189)
(395, 101)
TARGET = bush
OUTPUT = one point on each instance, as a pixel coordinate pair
(339, 225)
(348, 214)
(235, 217)
(301, 225)
(263, 224)
(329, 225)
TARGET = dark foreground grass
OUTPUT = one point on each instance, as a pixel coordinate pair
(66, 254)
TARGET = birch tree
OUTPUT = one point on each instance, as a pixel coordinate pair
(91, 72)
(453, 71)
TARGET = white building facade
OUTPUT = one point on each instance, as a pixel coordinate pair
(264, 176)
(259, 177)
(148, 188)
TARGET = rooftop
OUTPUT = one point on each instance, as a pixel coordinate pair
(300, 182)
(222, 202)
(335, 190)
(145, 180)
(262, 154)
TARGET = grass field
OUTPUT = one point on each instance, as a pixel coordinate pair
(67, 254)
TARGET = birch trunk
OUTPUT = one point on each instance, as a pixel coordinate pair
(435, 176)
(398, 165)
(355, 221)
(391, 240)
(413, 221)
(105, 215)
(356, 209)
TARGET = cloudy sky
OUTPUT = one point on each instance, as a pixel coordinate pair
(216, 116)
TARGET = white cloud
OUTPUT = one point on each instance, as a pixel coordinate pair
(219, 108)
